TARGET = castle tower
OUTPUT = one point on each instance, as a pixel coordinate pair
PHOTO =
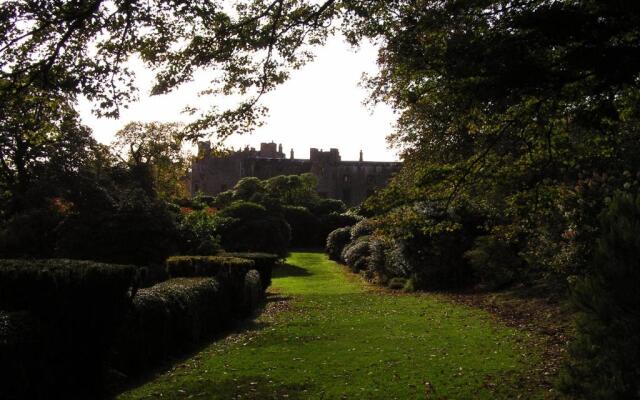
(291, 154)
(360, 155)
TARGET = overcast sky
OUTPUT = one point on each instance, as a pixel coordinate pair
(320, 106)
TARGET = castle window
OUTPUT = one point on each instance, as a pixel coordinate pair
(346, 179)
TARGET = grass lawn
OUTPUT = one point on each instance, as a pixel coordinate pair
(339, 339)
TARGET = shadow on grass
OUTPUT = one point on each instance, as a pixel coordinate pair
(284, 270)
(247, 387)
(118, 383)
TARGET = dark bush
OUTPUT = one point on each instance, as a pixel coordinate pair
(30, 233)
(328, 206)
(305, 227)
(229, 271)
(495, 261)
(263, 263)
(78, 306)
(433, 242)
(397, 283)
(244, 210)
(23, 357)
(136, 229)
(333, 221)
(253, 292)
(268, 235)
(212, 266)
(605, 355)
(168, 319)
(336, 241)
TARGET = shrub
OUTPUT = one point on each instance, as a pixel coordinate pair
(431, 242)
(244, 210)
(78, 305)
(336, 242)
(23, 357)
(605, 355)
(263, 263)
(380, 248)
(199, 233)
(356, 254)
(495, 261)
(328, 206)
(268, 235)
(31, 233)
(253, 293)
(305, 227)
(362, 228)
(136, 229)
(229, 271)
(333, 221)
(168, 319)
(397, 283)
(212, 266)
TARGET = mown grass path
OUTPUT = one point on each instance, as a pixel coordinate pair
(339, 339)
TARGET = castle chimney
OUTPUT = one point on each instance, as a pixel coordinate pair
(280, 148)
(360, 155)
(291, 153)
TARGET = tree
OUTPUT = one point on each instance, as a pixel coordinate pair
(42, 142)
(605, 355)
(83, 48)
(157, 147)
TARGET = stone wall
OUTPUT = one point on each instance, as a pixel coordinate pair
(350, 181)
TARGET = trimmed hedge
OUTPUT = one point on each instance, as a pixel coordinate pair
(263, 263)
(170, 318)
(75, 309)
(213, 266)
(229, 271)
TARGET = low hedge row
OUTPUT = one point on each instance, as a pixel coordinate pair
(229, 271)
(168, 319)
(263, 263)
(63, 322)
(70, 311)
(212, 266)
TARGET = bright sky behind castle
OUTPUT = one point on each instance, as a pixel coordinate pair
(320, 106)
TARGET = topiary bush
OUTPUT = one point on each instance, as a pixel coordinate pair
(305, 227)
(605, 355)
(78, 307)
(336, 241)
(253, 293)
(168, 319)
(248, 227)
(263, 263)
(213, 266)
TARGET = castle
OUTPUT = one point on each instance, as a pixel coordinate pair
(349, 181)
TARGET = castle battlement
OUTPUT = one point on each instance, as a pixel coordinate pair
(350, 181)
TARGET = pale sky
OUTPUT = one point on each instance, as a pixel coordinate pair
(320, 106)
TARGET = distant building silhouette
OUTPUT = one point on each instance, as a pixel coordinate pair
(349, 181)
